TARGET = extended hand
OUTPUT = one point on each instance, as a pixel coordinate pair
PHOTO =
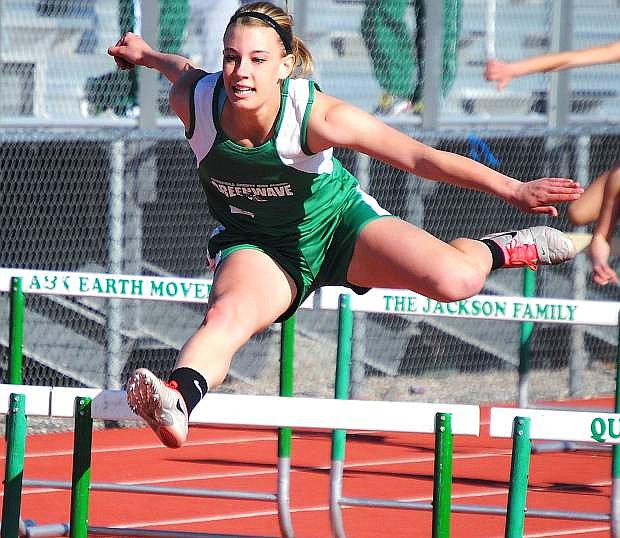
(599, 252)
(540, 195)
(499, 72)
(129, 51)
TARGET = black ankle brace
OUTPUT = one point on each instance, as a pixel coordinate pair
(191, 384)
(496, 252)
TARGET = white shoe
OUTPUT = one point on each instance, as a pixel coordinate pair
(160, 405)
(531, 246)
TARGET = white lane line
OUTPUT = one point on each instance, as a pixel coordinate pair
(157, 446)
(571, 532)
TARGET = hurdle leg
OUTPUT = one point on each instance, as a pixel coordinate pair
(526, 328)
(343, 378)
(16, 332)
(287, 345)
(14, 470)
(519, 471)
(80, 481)
(442, 481)
(615, 455)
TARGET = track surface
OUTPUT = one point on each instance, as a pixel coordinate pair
(378, 465)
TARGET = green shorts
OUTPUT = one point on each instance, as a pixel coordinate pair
(320, 258)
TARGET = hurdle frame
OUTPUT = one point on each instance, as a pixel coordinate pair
(12, 281)
(315, 413)
(605, 313)
(81, 466)
(602, 316)
(442, 476)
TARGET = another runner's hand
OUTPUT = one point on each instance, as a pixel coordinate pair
(541, 195)
(129, 51)
(599, 253)
(499, 72)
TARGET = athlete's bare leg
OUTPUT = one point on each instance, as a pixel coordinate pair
(392, 253)
(250, 291)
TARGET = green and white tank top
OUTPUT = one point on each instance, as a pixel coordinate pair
(278, 189)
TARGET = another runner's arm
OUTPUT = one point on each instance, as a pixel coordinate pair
(335, 123)
(600, 248)
(610, 208)
(503, 72)
(569, 59)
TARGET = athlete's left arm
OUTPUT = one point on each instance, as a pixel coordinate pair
(336, 123)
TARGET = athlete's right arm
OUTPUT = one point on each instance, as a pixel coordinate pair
(131, 50)
(181, 94)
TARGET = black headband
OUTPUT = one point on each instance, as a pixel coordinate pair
(285, 36)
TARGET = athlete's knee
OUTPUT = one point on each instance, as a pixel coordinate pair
(459, 283)
(231, 317)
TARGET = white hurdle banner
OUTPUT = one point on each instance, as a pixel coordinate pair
(109, 286)
(381, 300)
(488, 307)
(558, 425)
(265, 411)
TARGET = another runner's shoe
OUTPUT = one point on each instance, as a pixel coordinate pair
(160, 405)
(532, 246)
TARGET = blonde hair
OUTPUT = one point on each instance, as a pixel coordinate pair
(304, 64)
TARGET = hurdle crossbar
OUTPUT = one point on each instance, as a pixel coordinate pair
(558, 425)
(85, 405)
(251, 410)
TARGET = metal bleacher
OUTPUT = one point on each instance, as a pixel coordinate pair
(44, 61)
(48, 49)
(522, 29)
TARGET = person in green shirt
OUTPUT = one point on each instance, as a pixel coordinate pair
(398, 58)
(293, 218)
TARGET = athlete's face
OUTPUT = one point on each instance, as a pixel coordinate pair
(253, 65)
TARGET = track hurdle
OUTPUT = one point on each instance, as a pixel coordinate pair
(525, 425)
(429, 418)
(384, 300)
(19, 282)
(86, 405)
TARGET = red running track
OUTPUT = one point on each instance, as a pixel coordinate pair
(378, 465)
